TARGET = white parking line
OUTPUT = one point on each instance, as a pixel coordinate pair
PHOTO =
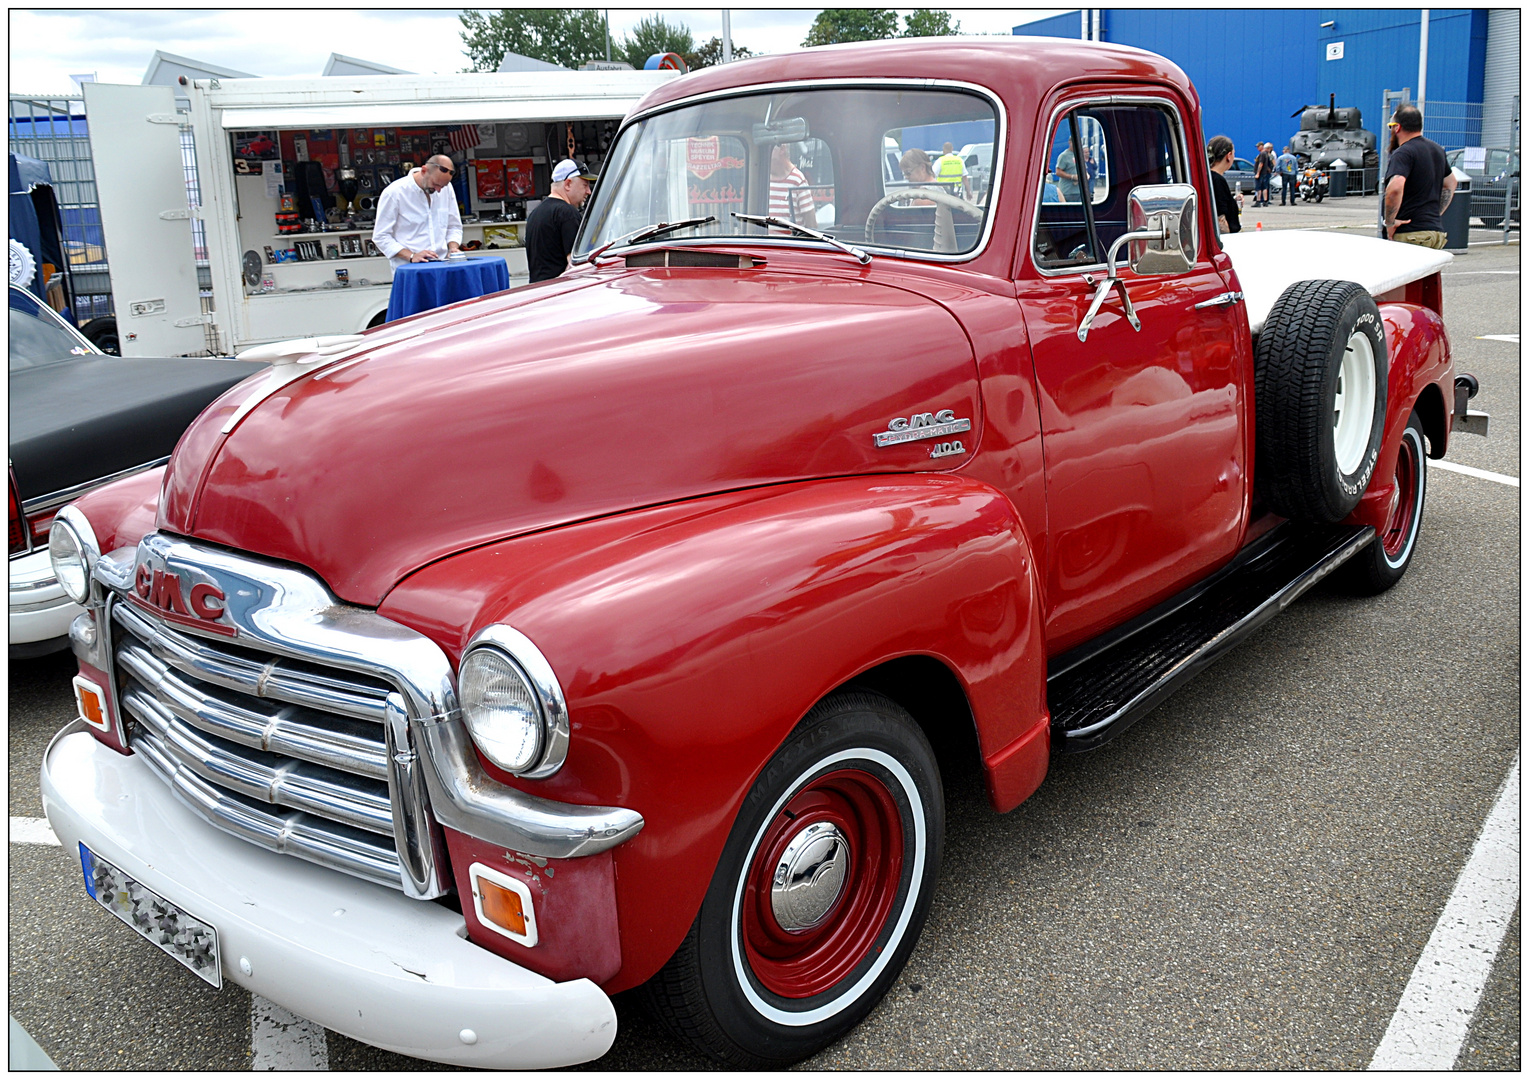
(1498, 337)
(32, 830)
(1479, 474)
(283, 1042)
(1434, 1015)
(1462, 273)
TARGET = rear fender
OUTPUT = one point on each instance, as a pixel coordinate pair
(691, 639)
(1421, 376)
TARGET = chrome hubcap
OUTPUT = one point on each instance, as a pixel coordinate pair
(809, 877)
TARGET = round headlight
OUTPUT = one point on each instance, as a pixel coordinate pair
(501, 709)
(71, 549)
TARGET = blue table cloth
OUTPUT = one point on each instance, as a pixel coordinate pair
(421, 286)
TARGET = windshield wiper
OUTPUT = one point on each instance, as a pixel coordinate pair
(647, 232)
(782, 223)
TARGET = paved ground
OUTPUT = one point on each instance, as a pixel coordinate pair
(1243, 881)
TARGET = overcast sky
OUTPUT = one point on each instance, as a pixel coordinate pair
(48, 46)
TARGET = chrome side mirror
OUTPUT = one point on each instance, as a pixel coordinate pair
(1171, 211)
(1163, 236)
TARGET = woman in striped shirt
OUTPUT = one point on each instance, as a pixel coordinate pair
(789, 196)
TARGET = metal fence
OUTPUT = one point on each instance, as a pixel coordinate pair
(1452, 124)
(1455, 125)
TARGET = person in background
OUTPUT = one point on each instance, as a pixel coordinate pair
(951, 171)
(1067, 173)
(790, 198)
(553, 226)
(417, 215)
(1263, 174)
(1228, 209)
(1419, 183)
(1288, 164)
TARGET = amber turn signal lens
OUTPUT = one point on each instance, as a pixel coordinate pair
(92, 708)
(502, 907)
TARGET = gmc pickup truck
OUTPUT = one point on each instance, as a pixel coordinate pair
(616, 631)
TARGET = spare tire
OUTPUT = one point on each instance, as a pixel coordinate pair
(1320, 407)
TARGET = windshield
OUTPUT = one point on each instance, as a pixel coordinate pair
(37, 338)
(874, 167)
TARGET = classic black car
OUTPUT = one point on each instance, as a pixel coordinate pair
(79, 418)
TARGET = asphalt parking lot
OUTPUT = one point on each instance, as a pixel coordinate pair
(1245, 880)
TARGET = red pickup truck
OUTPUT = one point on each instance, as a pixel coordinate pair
(616, 631)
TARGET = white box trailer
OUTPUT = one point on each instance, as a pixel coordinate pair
(146, 219)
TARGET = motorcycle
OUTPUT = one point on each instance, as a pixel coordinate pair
(1311, 185)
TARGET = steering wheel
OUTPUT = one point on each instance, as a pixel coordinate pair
(944, 226)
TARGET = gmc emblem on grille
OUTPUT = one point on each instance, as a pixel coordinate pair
(163, 589)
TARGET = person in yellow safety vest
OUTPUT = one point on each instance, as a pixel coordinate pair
(951, 171)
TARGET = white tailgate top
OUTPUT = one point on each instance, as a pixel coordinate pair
(1268, 263)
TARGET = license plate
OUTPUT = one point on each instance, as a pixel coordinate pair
(175, 931)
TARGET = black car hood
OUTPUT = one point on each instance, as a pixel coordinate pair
(84, 419)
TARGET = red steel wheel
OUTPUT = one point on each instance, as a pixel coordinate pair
(823, 880)
(820, 893)
(1382, 563)
(1398, 534)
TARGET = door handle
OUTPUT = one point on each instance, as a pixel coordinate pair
(1226, 299)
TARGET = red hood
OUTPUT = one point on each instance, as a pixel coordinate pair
(595, 394)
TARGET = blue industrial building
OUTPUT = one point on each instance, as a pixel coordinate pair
(1255, 68)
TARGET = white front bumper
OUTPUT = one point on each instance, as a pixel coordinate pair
(355, 957)
(39, 608)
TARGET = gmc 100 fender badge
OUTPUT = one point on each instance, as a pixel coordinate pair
(925, 426)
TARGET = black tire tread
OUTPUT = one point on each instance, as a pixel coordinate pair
(1288, 388)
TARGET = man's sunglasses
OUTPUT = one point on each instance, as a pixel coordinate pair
(442, 168)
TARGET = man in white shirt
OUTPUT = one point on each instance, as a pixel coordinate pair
(417, 218)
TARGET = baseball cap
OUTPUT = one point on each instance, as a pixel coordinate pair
(568, 167)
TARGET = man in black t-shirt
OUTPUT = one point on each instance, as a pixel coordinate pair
(1419, 183)
(552, 226)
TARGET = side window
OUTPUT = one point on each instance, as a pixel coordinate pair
(1120, 147)
(1062, 235)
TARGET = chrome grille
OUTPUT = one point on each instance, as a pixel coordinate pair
(281, 752)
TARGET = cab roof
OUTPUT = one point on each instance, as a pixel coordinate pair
(1018, 69)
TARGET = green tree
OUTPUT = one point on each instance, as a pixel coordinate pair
(569, 38)
(926, 23)
(654, 35)
(710, 54)
(851, 24)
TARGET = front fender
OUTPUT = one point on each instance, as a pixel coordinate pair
(1420, 367)
(690, 639)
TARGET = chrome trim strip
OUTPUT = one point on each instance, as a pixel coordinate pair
(287, 835)
(415, 832)
(1000, 144)
(1045, 141)
(63, 495)
(258, 680)
(292, 786)
(278, 731)
(549, 692)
